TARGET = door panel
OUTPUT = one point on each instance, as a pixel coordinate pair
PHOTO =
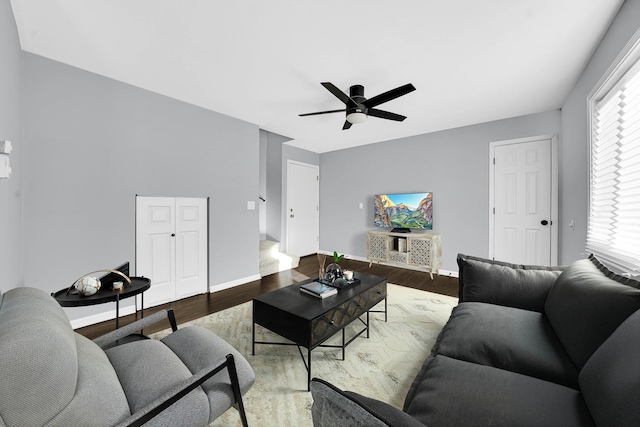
(191, 251)
(303, 215)
(522, 200)
(155, 247)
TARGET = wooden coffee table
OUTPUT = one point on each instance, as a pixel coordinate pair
(308, 321)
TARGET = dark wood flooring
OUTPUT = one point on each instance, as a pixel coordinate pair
(201, 305)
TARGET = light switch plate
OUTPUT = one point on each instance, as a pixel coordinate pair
(5, 166)
(251, 205)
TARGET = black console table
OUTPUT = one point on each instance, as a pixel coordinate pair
(105, 294)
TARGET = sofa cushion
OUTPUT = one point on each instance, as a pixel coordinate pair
(514, 285)
(508, 338)
(34, 329)
(334, 407)
(147, 369)
(610, 380)
(458, 393)
(586, 304)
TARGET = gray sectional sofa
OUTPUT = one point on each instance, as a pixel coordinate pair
(526, 346)
(53, 376)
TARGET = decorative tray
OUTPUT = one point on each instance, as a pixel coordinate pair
(350, 283)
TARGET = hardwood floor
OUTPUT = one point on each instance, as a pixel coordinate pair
(201, 305)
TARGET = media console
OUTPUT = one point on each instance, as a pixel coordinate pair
(419, 250)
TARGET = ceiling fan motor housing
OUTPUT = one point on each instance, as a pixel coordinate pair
(356, 93)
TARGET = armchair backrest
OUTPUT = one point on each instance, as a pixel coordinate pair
(49, 374)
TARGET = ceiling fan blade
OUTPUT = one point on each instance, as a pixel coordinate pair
(385, 115)
(388, 96)
(322, 112)
(347, 125)
(340, 95)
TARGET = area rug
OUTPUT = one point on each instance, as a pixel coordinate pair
(382, 366)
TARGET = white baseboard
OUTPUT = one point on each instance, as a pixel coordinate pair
(131, 309)
(441, 272)
(101, 317)
(124, 311)
(233, 283)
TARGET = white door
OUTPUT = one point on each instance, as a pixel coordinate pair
(303, 208)
(171, 247)
(522, 209)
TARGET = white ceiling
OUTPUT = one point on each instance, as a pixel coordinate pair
(262, 61)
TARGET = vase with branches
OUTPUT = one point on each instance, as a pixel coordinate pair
(334, 271)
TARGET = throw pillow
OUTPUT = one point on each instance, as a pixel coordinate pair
(586, 304)
(512, 285)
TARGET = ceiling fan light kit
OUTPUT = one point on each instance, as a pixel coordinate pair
(358, 108)
(356, 117)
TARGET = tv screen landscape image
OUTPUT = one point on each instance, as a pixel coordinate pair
(404, 211)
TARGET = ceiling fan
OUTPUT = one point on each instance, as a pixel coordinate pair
(358, 107)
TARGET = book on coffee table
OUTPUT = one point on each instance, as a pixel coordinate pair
(317, 289)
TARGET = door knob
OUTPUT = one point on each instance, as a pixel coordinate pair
(291, 216)
(173, 234)
(544, 222)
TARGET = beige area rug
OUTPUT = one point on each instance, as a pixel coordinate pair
(382, 366)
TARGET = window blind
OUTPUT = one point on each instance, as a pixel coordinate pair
(613, 231)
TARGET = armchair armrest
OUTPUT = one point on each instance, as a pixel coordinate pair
(172, 396)
(512, 285)
(131, 328)
(332, 406)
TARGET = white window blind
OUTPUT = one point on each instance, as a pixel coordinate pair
(613, 232)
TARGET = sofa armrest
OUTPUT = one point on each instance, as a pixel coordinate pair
(334, 407)
(163, 402)
(131, 328)
(512, 285)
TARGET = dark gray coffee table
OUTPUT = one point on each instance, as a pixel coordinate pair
(308, 321)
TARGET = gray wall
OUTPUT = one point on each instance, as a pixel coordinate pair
(274, 185)
(94, 143)
(277, 154)
(574, 148)
(262, 190)
(453, 164)
(10, 129)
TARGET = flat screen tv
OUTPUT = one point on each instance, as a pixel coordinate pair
(403, 211)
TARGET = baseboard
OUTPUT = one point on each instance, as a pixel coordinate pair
(131, 309)
(101, 317)
(441, 272)
(233, 283)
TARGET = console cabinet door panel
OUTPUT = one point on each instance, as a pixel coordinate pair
(420, 252)
(377, 247)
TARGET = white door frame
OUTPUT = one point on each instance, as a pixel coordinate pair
(288, 204)
(555, 224)
(138, 298)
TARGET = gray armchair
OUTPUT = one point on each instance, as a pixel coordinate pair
(55, 377)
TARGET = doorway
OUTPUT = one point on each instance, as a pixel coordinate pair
(523, 217)
(172, 247)
(303, 208)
